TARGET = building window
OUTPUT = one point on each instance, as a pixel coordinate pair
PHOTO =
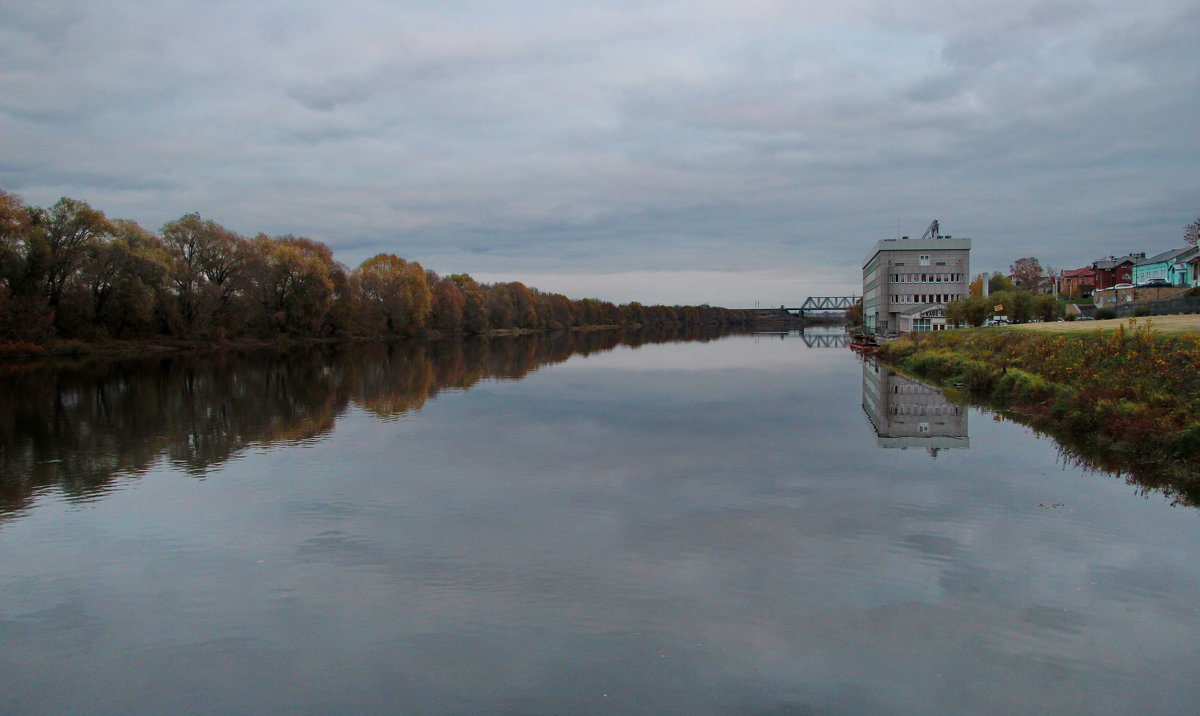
(924, 259)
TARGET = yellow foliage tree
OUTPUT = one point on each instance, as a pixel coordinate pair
(394, 295)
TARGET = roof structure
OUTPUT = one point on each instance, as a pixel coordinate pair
(1165, 256)
(1112, 262)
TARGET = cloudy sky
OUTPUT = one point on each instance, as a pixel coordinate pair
(678, 152)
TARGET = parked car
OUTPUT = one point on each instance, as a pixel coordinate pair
(1154, 283)
(1123, 285)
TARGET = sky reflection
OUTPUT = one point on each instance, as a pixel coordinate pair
(723, 538)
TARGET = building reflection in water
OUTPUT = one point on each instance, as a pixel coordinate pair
(909, 414)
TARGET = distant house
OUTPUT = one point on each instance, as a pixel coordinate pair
(1114, 270)
(1074, 283)
(1171, 266)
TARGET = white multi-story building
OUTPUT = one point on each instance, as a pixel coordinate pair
(908, 282)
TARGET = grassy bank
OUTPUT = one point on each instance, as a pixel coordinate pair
(1124, 396)
(1160, 325)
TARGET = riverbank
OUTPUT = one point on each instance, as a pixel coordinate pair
(1121, 395)
(73, 347)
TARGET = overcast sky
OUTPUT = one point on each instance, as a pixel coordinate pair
(677, 152)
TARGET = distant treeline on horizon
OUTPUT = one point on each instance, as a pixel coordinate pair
(68, 271)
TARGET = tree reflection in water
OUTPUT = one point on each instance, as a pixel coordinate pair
(78, 426)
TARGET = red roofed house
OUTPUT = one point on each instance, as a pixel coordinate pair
(1077, 282)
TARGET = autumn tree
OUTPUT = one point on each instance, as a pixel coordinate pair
(512, 305)
(14, 239)
(68, 268)
(340, 319)
(554, 311)
(446, 313)
(475, 314)
(222, 262)
(196, 250)
(291, 282)
(1027, 274)
(69, 229)
(126, 279)
(854, 314)
(394, 296)
(1191, 233)
(24, 315)
(976, 286)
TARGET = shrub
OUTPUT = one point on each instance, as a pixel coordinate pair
(1105, 313)
(20, 348)
(898, 349)
(70, 348)
(979, 379)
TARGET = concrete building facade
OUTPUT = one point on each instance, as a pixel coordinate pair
(907, 282)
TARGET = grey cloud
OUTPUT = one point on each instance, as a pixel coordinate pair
(1155, 42)
(332, 94)
(575, 137)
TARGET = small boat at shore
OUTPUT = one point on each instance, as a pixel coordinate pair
(863, 342)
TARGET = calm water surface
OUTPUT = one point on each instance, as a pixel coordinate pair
(748, 526)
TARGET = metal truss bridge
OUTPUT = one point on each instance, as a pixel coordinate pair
(823, 304)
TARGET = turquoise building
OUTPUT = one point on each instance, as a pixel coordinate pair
(1171, 266)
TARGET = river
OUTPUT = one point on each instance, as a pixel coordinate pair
(754, 524)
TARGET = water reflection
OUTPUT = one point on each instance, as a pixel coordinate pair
(76, 426)
(677, 529)
(813, 336)
(909, 414)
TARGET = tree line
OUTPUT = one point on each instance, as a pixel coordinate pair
(69, 272)
(1019, 305)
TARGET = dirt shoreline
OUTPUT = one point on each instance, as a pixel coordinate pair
(133, 349)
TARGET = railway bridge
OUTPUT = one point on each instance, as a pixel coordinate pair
(813, 304)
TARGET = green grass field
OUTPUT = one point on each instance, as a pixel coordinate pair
(1166, 325)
